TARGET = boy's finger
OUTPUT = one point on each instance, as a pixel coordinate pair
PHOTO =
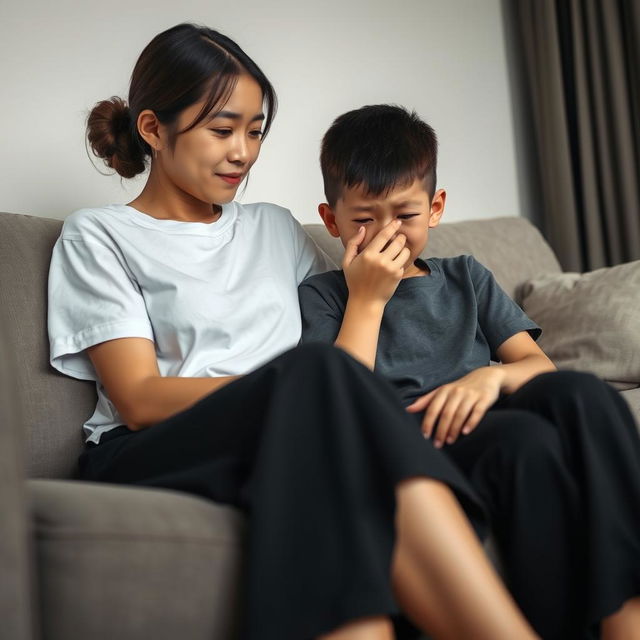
(383, 236)
(445, 419)
(421, 403)
(395, 246)
(477, 414)
(351, 250)
(432, 413)
(403, 257)
(459, 419)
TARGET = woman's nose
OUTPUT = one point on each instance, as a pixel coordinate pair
(239, 151)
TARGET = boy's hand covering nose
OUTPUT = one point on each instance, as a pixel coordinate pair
(458, 406)
(373, 274)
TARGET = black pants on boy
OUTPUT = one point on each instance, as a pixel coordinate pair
(557, 464)
(311, 446)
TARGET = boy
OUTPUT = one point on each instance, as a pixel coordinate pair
(554, 457)
(430, 326)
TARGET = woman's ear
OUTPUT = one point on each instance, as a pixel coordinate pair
(329, 219)
(437, 207)
(150, 129)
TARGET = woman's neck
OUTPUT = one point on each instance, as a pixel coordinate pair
(162, 199)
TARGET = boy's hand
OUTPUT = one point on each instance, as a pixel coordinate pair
(458, 406)
(373, 274)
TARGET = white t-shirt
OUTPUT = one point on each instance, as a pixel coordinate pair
(217, 299)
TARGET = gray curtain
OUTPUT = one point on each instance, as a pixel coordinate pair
(581, 65)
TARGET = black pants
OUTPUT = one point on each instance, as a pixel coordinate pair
(557, 465)
(311, 445)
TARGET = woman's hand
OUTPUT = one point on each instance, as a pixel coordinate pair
(373, 274)
(458, 406)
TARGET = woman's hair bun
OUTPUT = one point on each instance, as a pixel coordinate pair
(111, 137)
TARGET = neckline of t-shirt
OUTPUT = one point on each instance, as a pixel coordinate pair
(430, 280)
(211, 229)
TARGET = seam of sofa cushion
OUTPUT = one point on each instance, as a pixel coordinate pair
(62, 534)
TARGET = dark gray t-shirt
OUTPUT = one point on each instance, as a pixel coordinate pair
(436, 328)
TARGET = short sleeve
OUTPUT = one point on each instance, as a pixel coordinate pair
(321, 308)
(310, 259)
(92, 298)
(499, 316)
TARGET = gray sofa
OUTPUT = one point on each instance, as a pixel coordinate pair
(83, 560)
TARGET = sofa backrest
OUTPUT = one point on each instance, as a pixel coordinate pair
(512, 248)
(55, 406)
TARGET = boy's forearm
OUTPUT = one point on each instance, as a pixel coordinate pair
(360, 330)
(515, 374)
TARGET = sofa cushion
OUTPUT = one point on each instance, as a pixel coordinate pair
(590, 321)
(123, 562)
(512, 248)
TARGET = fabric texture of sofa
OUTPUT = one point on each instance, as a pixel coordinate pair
(87, 560)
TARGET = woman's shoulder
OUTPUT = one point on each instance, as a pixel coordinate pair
(91, 223)
(266, 213)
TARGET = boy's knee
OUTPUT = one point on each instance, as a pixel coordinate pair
(526, 435)
(569, 383)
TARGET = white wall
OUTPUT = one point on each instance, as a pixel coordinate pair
(444, 58)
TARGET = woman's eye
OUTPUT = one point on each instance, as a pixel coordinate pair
(256, 134)
(222, 132)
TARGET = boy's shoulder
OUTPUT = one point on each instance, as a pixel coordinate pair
(329, 280)
(462, 266)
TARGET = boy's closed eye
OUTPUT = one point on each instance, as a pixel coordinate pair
(404, 216)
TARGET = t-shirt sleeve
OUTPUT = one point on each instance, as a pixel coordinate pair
(310, 259)
(92, 298)
(499, 316)
(321, 309)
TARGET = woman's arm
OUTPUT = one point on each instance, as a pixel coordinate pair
(128, 369)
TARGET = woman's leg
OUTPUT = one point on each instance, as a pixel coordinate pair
(624, 624)
(312, 445)
(376, 628)
(443, 580)
(558, 465)
(441, 576)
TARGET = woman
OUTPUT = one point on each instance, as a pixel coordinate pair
(182, 305)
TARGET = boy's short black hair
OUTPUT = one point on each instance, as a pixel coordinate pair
(378, 147)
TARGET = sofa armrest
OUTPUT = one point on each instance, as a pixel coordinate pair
(17, 611)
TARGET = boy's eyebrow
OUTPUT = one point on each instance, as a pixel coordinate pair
(232, 115)
(399, 205)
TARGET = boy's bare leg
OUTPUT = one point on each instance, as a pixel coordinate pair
(378, 628)
(624, 624)
(442, 579)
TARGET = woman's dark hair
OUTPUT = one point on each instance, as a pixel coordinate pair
(379, 147)
(179, 67)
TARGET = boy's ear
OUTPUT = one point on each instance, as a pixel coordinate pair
(329, 219)
(437, 207)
